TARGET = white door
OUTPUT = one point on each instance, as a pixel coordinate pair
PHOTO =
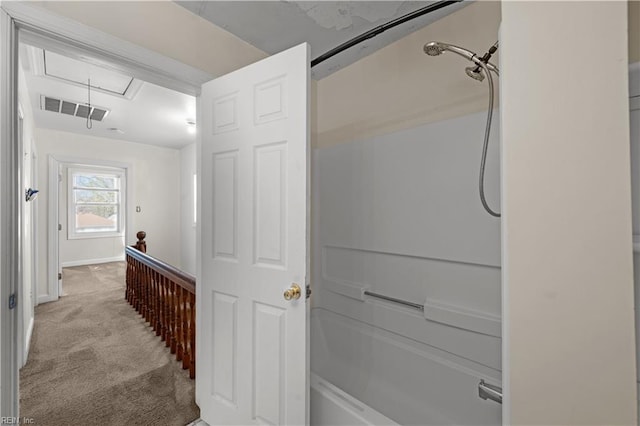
(252, 344)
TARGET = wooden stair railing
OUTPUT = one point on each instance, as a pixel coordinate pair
(166, 298)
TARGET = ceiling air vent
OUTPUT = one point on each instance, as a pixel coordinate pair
(77, 109)
(51, 104)
(68, 108)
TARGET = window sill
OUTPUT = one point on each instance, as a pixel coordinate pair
(93, 235)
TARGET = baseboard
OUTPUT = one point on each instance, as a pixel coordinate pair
(46, 298)
(27, 343)
(92, 261)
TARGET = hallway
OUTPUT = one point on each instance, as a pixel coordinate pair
(94, 361)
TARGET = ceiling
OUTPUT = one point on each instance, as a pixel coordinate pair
(273, 26)
(137, 111)
(142, 112)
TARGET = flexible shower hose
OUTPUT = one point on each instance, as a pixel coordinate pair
(485, 146)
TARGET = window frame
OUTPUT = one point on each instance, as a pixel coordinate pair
(72, 233)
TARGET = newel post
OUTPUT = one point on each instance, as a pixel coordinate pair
(141, 244)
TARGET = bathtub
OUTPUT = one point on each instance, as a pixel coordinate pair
(331, 406)
(364, 375)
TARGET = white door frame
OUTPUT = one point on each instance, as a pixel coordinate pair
(38, 25)
(11, 196)
(54, 288)
(53, 262)
(20, 290)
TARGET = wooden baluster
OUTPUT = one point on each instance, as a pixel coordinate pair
(161, 324)
(167, 304)
(180, 314)
(127, 294)
(147, 298)
(166, 326)
(154, 316)
(172, 319)
(186, 357)
(154, 320)
(139, 287)
(192, 336)
(167, 312)
(163, 308)
(130, 280)
(136, 283)
(127, 280)
(158, 305)
(143, 291)
(134, 277)
(152, 299)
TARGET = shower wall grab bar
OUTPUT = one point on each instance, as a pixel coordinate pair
(393, 299)
(446, 314)
(488, 391)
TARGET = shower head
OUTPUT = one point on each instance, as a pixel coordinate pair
(473, 73)
(435, 48)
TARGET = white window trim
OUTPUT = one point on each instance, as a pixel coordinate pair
(71, 233)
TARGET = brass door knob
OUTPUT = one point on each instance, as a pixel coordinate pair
(293, 292)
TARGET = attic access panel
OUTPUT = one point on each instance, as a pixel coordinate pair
(74, 71)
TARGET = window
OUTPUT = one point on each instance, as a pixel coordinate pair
(96, 202)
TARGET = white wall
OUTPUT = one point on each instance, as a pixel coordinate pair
(188, 235)
(400, 215)
(155, 185)
(568, 354)
(401, 87)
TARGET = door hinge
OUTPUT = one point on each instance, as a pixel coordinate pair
(59, 227)
(12, 301)
(308, 291)
(59, 275)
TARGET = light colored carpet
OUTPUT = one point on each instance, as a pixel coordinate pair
(94, 361)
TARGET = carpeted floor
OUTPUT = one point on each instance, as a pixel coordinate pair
(94, 361)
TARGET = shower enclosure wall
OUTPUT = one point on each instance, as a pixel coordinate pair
(398, 215)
